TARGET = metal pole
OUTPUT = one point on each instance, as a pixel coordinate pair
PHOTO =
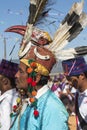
(4, 48)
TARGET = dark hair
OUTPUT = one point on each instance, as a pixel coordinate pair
(68, 77)
(85, 74)
(12, 82)
(43, 80)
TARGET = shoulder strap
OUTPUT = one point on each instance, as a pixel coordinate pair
(83, 124)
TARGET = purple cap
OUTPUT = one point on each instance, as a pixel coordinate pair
(8, 68)
(74, 66)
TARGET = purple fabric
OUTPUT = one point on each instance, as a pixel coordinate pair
(8, 68)
(61, 76)
(55, 79)
(54, 87)
(62, 85)
(74, 66)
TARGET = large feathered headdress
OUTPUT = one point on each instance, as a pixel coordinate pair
(38, 44)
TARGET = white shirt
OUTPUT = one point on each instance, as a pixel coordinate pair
(82, 102)
(65, 88)
(57, 92)
(7, 100)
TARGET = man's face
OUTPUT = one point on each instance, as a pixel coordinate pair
(21, 77)
(74, 81)
(5, 84)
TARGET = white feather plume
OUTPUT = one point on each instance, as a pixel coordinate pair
(71, 53)
(62, 34)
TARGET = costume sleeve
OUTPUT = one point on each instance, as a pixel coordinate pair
(55, 117)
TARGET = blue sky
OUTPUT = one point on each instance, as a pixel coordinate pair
(16, 13)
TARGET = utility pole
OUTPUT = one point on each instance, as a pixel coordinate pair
(4, 48)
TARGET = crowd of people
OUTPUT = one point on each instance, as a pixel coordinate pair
(64, 90)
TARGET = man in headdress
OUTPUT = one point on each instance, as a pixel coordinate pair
(42, 109)
(76, 73)
(8, 92)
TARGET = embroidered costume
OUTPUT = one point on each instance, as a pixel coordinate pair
(52, 113)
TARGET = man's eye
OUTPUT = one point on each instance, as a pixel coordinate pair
(21, 71)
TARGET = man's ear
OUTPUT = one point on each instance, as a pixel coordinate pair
(82, 76)
(5, 81)
(38, 77)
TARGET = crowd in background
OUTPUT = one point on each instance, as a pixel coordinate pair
(61, 87)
